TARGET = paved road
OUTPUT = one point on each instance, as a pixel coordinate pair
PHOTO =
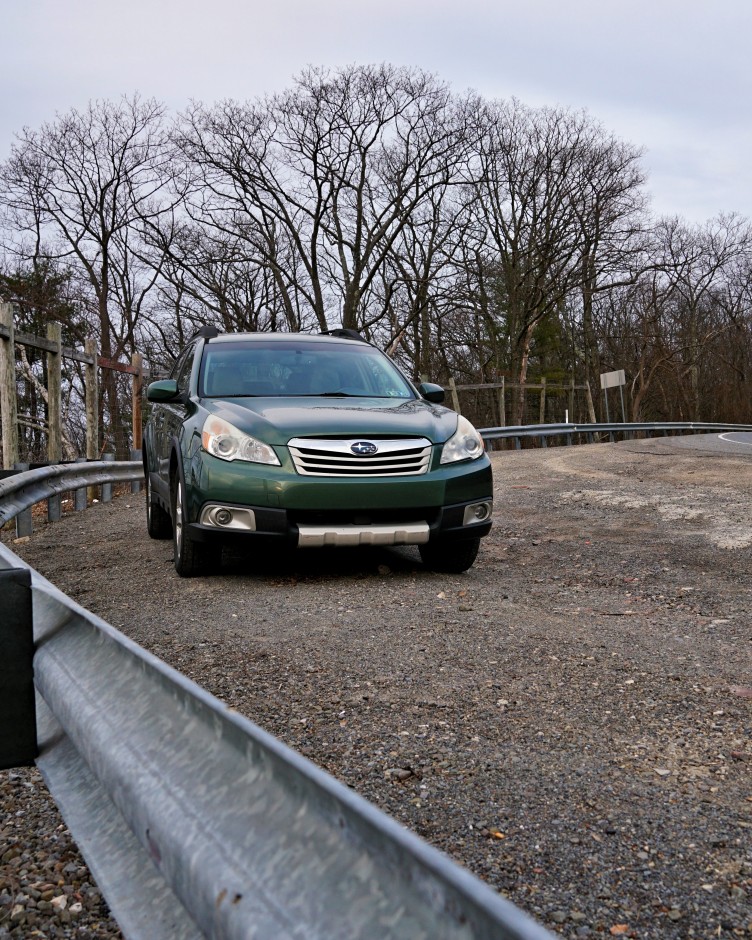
(731, 443)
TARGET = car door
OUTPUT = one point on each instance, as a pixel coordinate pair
(170, 415)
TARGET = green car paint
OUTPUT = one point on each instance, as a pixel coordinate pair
(309, 440)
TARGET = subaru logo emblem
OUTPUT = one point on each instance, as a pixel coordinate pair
(363, 448)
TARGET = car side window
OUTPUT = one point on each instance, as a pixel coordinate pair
(182, 370)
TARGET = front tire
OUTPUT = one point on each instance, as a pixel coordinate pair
(449, 557)
(191, 558)
(158, 522)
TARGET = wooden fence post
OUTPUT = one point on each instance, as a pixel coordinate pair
(542, 413)
(502, 405)
(136, 390)
(455, 396)
(8, 409)
(92, 402)
(591, 409)
(54, 384)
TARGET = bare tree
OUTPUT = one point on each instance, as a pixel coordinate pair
(547, 184)
(321, 180)
(698, 262)
(81, 189)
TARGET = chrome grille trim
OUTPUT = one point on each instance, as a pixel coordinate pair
(334, 458)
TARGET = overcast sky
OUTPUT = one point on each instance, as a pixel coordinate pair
(672, 77)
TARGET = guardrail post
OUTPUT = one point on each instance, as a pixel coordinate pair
(18, 728)
(136, 484)
(24, 524)
(107, 487)
(54, 508)
(79, 496)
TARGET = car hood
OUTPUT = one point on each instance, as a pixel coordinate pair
(276, 420)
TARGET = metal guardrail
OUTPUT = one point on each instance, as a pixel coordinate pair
(590, 431)
(24, 488)
(194, 821)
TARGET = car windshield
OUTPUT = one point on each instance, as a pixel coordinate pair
(295, 368)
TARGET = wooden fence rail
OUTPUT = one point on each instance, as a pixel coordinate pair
(55, 352)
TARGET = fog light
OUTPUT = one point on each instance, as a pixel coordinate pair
(476, 512)
(239, 518)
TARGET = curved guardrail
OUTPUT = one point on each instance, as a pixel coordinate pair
(25, 488)
(194, 821)
(590, 431)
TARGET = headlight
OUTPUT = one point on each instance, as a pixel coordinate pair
(464, 444)
(223, 440)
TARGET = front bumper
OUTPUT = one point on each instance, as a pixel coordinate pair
(256, 523)
(275, 504)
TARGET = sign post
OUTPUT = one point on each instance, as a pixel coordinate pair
(611, 380)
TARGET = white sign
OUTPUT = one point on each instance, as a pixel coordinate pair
(612, 379)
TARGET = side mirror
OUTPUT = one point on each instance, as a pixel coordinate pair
(431, 392)
(164, 390)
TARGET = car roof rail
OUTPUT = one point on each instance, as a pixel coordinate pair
(344, 332)
(208, 332)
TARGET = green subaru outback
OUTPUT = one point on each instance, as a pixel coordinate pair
(309, 440)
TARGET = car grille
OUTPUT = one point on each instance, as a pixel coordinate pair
(335, 458)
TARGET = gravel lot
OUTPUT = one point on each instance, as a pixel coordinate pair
(570, 719)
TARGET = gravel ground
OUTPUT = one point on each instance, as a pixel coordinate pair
(570, 719)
